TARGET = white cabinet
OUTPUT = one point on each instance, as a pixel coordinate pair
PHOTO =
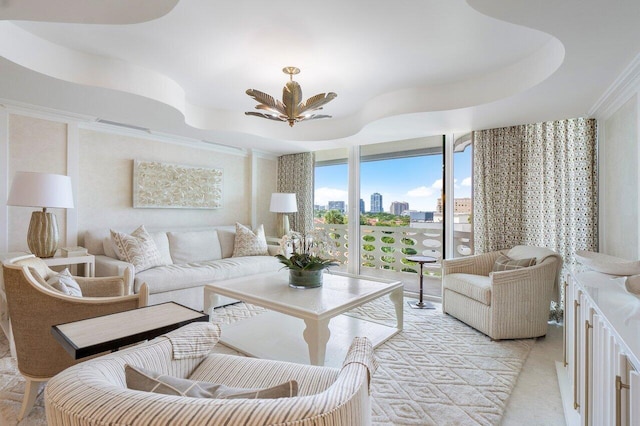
(598, 377)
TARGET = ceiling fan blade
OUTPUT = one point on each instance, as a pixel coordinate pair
(316, 102)
(267, 100)
(291, 98)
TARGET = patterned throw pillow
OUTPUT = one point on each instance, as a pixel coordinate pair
(148, 381)
(250, 243)
(505, 263)
(65, 283)
(139, 249)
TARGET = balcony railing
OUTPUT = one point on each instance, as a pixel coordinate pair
(384, 249)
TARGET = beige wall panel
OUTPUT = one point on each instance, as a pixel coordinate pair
(106, 174)
(35, 145)
(267, 177)
(619, 202)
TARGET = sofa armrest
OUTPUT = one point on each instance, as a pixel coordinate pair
(109, 267)
(479, 264)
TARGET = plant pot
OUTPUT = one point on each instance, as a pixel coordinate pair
(305, 279)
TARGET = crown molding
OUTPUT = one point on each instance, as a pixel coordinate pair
(623, 88)
(90, 122)
(126, 130)
(35, 111)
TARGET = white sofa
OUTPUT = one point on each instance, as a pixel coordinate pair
(194, 257)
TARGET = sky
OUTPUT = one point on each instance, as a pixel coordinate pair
(416, 180)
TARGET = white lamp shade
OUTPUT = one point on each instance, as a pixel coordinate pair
(31, 189)
(283, 203)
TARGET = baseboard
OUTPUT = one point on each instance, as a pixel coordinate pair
(571, 416)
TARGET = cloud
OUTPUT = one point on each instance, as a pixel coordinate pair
(322, 196)
(466, 181)
(421, 191)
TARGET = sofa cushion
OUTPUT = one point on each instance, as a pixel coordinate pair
(505, 263)
(194, 246)
(476, 287)
(227, 238)
(162, 243)
(180, 276)
(141, 379)
(138, 248)
(250, 243)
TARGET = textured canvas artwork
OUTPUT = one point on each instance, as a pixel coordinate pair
(163, 185)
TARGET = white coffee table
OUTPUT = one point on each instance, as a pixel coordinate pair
(304, 325)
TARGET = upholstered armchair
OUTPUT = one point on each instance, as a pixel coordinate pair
(503, 304)
(96, 393)
(34, 306)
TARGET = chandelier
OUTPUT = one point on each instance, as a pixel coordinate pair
(292, 109)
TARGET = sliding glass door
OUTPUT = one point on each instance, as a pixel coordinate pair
(390, 204)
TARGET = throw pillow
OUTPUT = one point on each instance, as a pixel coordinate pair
(149, 381)
(139, 249)
(65, 283)
(505, 263)
(250, 243)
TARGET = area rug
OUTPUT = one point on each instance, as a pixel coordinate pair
(437, 371)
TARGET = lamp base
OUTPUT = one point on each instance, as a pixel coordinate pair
(283, 225)
(42, 237)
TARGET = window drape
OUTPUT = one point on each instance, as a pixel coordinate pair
(536, 184)
(295, 174)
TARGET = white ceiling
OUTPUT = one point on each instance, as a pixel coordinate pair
(401, 70)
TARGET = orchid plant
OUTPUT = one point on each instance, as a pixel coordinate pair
(306, 251)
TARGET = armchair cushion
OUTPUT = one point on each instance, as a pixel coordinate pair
(505, 263)
(476, 287)
(64, 283)
(149, 381)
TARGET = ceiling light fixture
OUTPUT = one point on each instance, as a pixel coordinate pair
(291, 109)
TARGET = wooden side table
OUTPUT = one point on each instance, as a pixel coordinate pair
(88, 260)
(421, 304)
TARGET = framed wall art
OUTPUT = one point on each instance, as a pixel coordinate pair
(174, 186)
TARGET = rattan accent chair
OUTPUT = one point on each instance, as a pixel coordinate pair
(34, 307)
(510, 304)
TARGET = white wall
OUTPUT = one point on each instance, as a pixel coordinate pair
(619, 159)
(99, 160)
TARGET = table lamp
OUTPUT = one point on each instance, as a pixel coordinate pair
(283, 203)
(30, 189)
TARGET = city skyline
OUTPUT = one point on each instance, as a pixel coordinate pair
(414, 180)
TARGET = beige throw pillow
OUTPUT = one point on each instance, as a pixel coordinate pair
(139, 249)
(149, 381)
(250, 243)
(65, 283)
(505, 263)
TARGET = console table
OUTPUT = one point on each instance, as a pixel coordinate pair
(599, 375)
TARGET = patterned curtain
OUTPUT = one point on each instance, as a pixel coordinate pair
(536, 185)
(497, 188)
(295, 174)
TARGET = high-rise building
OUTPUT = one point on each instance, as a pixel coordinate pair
(397, 207)
(460, 205)
(376, 203)
(337, 205)
(361, 206)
